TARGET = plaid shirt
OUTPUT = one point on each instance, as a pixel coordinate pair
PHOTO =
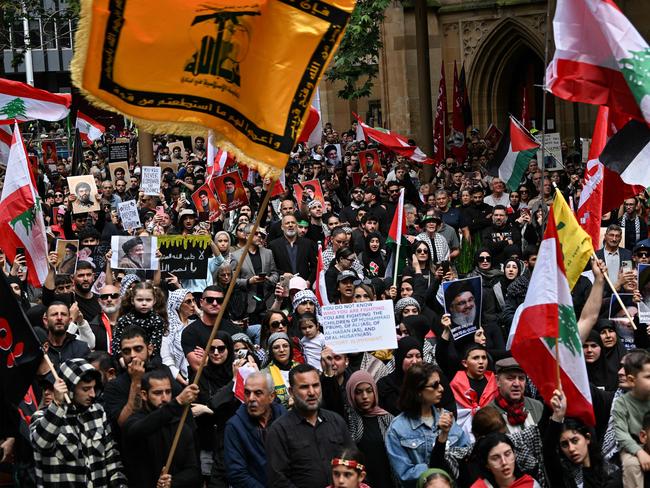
(75, 448)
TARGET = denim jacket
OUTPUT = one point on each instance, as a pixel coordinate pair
(409, 443)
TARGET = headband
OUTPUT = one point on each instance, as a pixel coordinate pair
(350, 463)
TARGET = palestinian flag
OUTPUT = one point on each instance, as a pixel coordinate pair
(21, 102)
(516, 149)
(600, 58)
(89, 129)
(627, 153)
(546, 315)
(21, 216)
(390, 141)
(20, 349)
(397, 239)
(320, 289)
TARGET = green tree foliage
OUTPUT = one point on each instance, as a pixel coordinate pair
(356, 61)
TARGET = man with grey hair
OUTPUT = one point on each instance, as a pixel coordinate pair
(498, 196)
(245, 434)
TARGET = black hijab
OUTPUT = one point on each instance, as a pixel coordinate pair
(216, 376)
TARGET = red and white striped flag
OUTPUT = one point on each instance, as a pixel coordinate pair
(320, 290)
(21, 216)
(5, 144)
(89, 129)
(21, 102)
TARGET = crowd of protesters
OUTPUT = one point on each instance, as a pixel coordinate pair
(435, 412)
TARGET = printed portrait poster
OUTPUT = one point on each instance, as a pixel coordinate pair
(173, 165)
(49, 152)
(463, 303)
(333, 155)
(66, 256)
(134, 252)
(199, 144)
(230, 190)
(176, 151)
(206, 202)
(312, 189)
(370, 163)
(493, 136)
(624, 329)
(356, 178)
(644, 287)
(119, 171)
(85, 189)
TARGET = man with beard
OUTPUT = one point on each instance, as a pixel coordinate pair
(301, 444)
(349, 213)
(83, 193)
(122, 395)
(89, 457)
(518, 410)
(462, 306)
(231, 194)
(62, 344)
(293, 254)
(133, 254)
(149, 432)
(244, 455)
(83, 278)
(102, 325)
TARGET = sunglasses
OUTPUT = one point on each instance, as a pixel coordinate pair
(106, 296)
(364, 281)
(58, 194)
(643, 254)
(211, 300)
(422, 251)
(393, 191)
(188, 301)
(217, 349)
(485, 259)
(276, 324)
(434, 386)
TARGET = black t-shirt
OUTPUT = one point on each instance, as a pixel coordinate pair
(197, 334)
(89, 307)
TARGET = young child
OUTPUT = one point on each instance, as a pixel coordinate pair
(348, 470)
(139, 307)
(629, 412)
(313, 340)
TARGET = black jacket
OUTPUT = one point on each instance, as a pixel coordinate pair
(306, 259)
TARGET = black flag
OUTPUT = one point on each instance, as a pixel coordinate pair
(79, 166)
(20, 349)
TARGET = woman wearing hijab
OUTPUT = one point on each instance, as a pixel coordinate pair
(368, 423)
(180, 307)
(612, 352)
(373, 256)
(408, 353)
(279, 363)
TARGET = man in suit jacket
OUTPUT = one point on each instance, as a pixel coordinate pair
(611, 253)
(294, 254)
(258, 275)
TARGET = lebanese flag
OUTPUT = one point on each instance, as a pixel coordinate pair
(441, 123)
(5, 144)
(21, 216)
(546, 314)
(458, 143)
(392, 142)
(280, 185)
(89, 129)
(600, 58)
(312, 132)
(320, 289)
(21, 102)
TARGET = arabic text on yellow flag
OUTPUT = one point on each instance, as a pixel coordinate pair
(575, 242)
(245, 68)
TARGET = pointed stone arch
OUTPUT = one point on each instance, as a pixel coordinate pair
(491, 74)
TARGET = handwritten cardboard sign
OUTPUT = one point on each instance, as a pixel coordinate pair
(360, 327)
(129, 215)
(185, 256)
(150, 183)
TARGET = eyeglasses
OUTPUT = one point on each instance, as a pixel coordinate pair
(217, 349)
(106, 296)
(642, 254)
(485, 259)
(434, 386)
(276, 324)
(211, 300)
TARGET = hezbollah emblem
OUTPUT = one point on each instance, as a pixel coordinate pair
(222, 39)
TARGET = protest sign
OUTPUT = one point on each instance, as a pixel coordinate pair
(360, 327)
(177, 151)
(552, 150)
(129, 215)
(311, 190)
(85, 191)
(370, 163)
(150, 184)
(206, 203)
(230, 190)
(134, 252)
(463, 304)
(493, 136)
(66, 256)
(186, 257)
(119, 171)
(624, 329)
(118, 151)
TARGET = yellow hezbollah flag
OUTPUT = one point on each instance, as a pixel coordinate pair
(575, 242)
(246, 69)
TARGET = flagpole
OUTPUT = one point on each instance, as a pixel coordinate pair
(55, 374)
(546, 36)
(396, 262)
(217, 322)
(557, 364)
(618, 297)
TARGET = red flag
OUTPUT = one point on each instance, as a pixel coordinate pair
(525, 117)
(467, 108)
(441, 123)
(89, 129)
(320, 290)
(458, 144)
(312, 132)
